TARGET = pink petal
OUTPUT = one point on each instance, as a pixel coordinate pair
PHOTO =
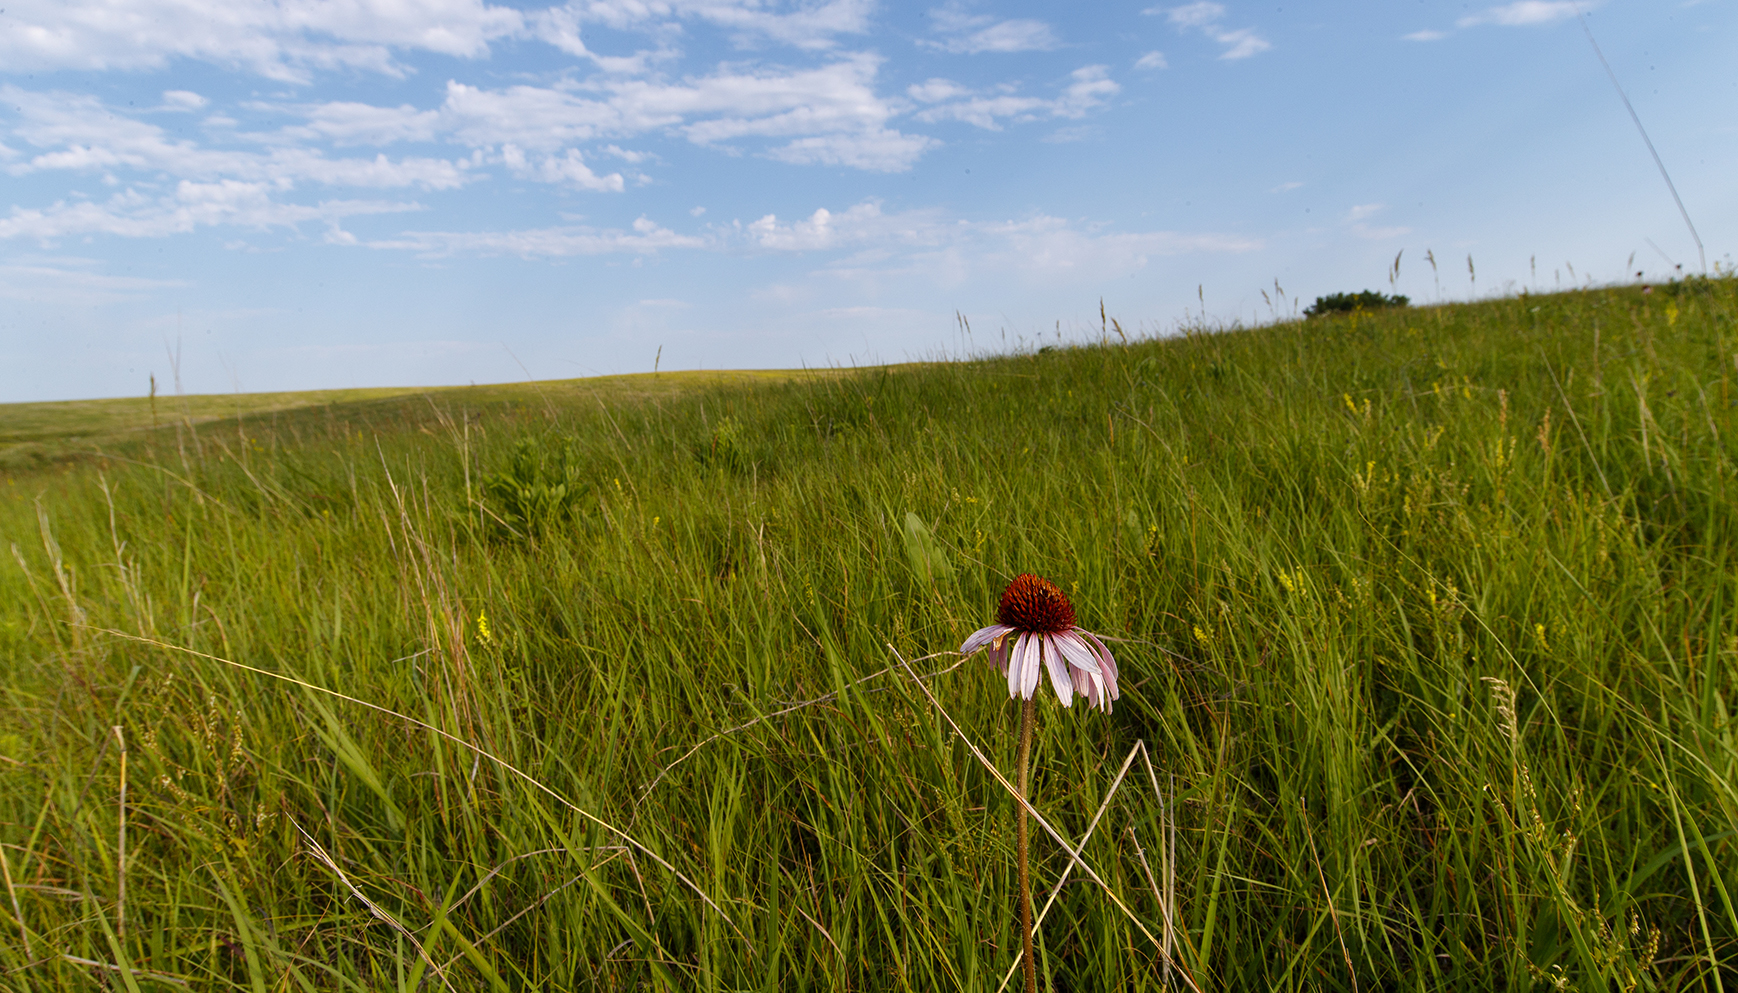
(999, 652)
(1078, 652)
(1016, 662)
(982, 637)
(1106, 663)
(1058, 671)
(1031, 664)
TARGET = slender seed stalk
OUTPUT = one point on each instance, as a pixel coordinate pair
(1030, 966)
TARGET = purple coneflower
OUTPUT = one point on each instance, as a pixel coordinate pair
(1035, 626)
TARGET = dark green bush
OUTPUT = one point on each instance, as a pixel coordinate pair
(1346, 303)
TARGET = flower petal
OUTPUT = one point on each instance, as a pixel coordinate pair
(1106, 663)
(1078, 652)
(1058, 670)
(1099, 699)
(1032, 663)
(1016, 663)
(982, 637)
(1000, 649)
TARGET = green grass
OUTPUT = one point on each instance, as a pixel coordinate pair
(37, 435)
(1427, 614)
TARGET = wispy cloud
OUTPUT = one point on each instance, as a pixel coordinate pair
(1523, 13)
(1152, 60)
(966, 33)
(1356, 216)
(290, 40)
(1208, 17)
(644, 238)
(135, 214)
(1088, 88)
(1426, 35)
(74, 282)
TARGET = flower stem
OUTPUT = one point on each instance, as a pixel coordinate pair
(1030, 966)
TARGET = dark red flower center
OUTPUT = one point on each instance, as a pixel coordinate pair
(1034, 604)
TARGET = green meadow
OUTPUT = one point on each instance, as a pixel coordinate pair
(1427, 621)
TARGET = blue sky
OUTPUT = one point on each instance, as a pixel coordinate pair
(300, 194)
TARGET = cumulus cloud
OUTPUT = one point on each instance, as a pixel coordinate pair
(569, 168)
(1152, 60)
(1207, 17)
(1426, 35)
(77, 132)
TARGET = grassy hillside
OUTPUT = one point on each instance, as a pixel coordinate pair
(36, 435)
(1425, 618)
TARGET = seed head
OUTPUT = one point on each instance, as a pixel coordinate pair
(1031, 603)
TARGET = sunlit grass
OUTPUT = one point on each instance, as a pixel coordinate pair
(1427, 612)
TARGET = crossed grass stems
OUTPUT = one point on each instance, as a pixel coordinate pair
(1165, 892)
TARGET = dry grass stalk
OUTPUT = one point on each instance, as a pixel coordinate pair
(373, 908)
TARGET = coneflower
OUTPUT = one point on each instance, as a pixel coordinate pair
(1035, 629)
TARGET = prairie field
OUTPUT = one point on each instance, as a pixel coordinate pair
(1427, 622)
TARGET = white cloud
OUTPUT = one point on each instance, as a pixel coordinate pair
(831, 111)
(1207, 17)
(1287, 187)
(1426, 35)
(79, 133)
(280, 39)
(930, 245)
(645, 238)
(289, 39)
(1523, 13)
(1194, 15)
(70, 282)
(1241, 44)
(1089, 88)
(808, 26)
(870, 243)
(132, 214)
(569, 168)
(862, 224)
(936, 90)
(874, 151)
(182, 100)
(1356, 217)
(965, 33)
(1152, 60)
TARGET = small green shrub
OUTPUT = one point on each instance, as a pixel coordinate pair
(540, 486)
(1346, 303)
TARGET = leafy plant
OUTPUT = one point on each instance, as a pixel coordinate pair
(1346, 303)
(539, 487)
